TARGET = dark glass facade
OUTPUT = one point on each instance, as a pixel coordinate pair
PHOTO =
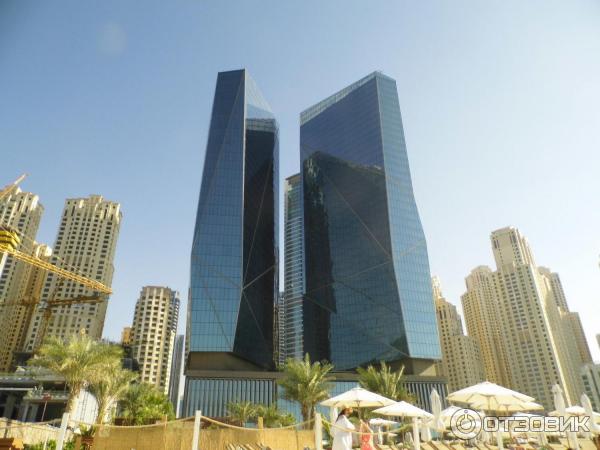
(212, 395)
(292, 336)
(233, 279)
(367, 291)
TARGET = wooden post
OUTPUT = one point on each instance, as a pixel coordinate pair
(260, 423)
(196, 436)
(62, 432)
(318, 432)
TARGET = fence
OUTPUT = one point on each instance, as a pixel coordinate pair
(177, 435)
(30, 433)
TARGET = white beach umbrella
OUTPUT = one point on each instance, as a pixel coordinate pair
(589, 412)
(512, 407)
(436, 408)
(561, 410)
(444, 418)
(491, 397)
(405, 409)
(450, 411)
(380, 423)
(425, 432)
(575, 410)
(488, 395)
(358, 398)
(377, 421)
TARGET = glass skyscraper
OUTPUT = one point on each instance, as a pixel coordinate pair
(367, 293)
(234, 274)
(292, 336)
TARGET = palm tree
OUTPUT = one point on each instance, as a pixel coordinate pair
(273, 417)
(111, 388)
(383, 381)
(241, 412)
(306, 383)
(143, 403)
(78, 360)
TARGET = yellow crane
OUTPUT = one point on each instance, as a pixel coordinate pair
(9, 187)
(51, 305)
(9, 241)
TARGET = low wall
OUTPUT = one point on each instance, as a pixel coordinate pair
(30, 433)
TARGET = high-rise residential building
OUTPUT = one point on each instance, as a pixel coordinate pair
(535, 336)
(556, 287)
(572, 321)
(126, 336)
(292, 334)
(575, 329)
(590, 376)
(481, 311)
(175, 385)
(461, 361)
(234, 260)
(153, 334)
(86, 244)
(22, 212)
(367, 283)
(18, 313)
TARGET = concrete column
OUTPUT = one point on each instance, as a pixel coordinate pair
(33, 410)
(9, 406)
(23, 410)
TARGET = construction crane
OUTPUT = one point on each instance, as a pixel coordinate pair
(9, 187)
(51, 305)
(9, 241)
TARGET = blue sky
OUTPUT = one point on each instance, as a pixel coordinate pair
(500, 102)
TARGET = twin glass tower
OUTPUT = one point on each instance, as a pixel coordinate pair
(358, 281)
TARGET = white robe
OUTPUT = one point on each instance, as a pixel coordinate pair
(342, 439)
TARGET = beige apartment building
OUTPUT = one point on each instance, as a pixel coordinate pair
(571, 320)
(86, 244)
(21, 211)
(481, 312)
(126, 336)
(461, 360)
(590, 375)
(153, 334)
(17, 316)
(535, 332)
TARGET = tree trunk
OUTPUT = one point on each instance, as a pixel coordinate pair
(306, 416)
(73, 397)
(102, 407)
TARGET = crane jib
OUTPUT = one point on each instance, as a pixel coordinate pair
(92, 284)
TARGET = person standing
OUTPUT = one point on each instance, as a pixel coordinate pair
(366, 438)
(342, 431)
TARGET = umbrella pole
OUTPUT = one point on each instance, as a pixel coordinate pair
(416, 438)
